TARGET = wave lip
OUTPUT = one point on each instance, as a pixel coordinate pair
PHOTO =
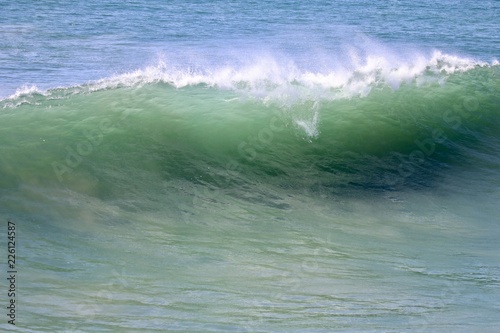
(269, 73)
(272, 79)
(21, 95)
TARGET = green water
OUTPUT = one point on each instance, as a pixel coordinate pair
(195, 209)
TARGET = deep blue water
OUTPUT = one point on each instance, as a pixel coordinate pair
(66, 42)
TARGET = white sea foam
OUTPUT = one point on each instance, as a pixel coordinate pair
(268, 76)
(22, 96)
(275, 79)
(310, 126)
(25, 91)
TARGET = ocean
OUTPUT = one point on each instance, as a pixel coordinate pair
(250, 166)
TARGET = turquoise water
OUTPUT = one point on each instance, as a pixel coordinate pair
(251, 166)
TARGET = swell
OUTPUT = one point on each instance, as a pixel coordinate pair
(105, 142)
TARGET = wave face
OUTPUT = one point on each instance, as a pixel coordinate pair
(376, 127)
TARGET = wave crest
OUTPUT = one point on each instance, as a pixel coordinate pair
(274, 79)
